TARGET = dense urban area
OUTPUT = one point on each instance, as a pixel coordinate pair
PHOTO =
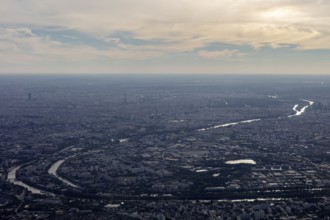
(164, 147)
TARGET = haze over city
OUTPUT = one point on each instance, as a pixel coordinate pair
(174, 36)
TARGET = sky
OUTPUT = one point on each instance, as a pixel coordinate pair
(172, 36)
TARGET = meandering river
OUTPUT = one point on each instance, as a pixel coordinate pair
(11, 177)
(53, 171)
(295, 109)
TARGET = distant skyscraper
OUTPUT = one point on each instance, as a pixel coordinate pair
(29, 96)
(125, 98)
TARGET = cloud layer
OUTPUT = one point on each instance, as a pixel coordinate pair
(119, 33)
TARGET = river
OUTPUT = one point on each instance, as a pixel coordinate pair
(53, 171)
(11, 177)
(297, 113)
(302, 110)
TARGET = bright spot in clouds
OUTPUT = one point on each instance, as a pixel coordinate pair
(173, 36)
(281, 13)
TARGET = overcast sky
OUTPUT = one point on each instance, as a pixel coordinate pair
(165, 36)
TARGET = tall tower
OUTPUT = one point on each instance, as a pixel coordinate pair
(125, 98)
(29, 96)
